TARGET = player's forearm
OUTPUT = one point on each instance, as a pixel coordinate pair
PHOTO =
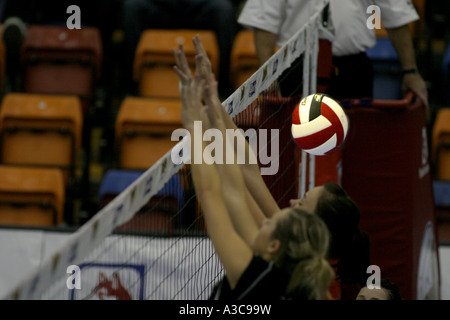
(205, 177)
(232, 249)
(402, 41)
(229, 124)
(265, 45)
(254, 182)
(208, 187)
(260, 192)
(234, 190)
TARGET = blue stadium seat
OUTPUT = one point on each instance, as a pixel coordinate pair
(116, 180)
(158, 214)
(441, 191)
(387, 70)
(445, 74)
(446, 62)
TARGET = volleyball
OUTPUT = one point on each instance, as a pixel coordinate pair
(319, 124)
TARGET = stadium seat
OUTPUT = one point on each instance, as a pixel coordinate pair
(59, 60)
(114, 182)
(31, 196)
(244, 61)
(158, 213)
(154, 60)
(387, 71)
(441, 144)
(441, 191)
(446, 74)
(143, 130)
(41, 130)
(2, 59)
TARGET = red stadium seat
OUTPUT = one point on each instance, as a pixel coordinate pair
(62, 61)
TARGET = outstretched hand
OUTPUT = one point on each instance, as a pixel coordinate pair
(182, 66)
(416, 84)
(191, 91)
(203, 64)
(203, 69)
(199, 88)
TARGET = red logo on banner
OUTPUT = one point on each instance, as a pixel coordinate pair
(110, 288)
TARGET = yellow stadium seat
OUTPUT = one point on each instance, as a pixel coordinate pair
(143, 130)
(441, 144)
(2, 59)
(31, 196)
(41, 130)
(154, 59)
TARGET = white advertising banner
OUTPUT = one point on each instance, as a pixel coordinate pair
(123, 267)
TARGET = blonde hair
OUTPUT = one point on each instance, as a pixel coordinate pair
(304, 239)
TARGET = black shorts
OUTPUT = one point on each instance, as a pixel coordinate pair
(353, 78)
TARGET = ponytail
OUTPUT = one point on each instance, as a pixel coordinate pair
(304, 239)
(311, 279)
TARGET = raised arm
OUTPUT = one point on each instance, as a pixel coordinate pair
(401, 39)
(265, 43)
(232, 250)
(260, 199)
(234, 190)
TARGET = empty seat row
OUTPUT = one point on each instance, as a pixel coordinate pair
(58, 60)
(45, 132)
(40, 145)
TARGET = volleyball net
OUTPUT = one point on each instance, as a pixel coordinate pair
(150, 241)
